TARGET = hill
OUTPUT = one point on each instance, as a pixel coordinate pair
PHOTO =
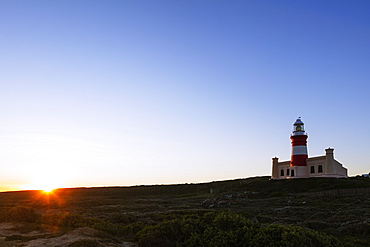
(335, 207)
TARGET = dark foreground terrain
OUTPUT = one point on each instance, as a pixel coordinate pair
(244, 212)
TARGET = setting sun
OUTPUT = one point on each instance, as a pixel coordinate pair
(48, 190)
(45, 174)
(45, 185)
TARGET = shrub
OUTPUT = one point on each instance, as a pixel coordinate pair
(66, 220)
(74, 221)
(22, 214)
(85, 243)
(226, 229)
(357, 229)
(14, 237)
(131, 230)
(110, 228)
(124, 219)
(52, 219)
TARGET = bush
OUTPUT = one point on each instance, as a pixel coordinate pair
(74, 221)
(107, 227)
(65, 220)
(85, 243)
(131, 230)
(123, 219)
(22, 214)
(357, 229)
(226, 229)
(52, 219)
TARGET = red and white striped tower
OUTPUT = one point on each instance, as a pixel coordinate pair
(299, 145)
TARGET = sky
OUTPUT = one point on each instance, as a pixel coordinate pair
(119, 93)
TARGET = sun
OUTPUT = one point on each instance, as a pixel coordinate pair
(41, 175)
(45, 185)
(45, 188)
(48, 189)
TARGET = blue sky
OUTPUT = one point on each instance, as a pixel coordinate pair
(98, 93)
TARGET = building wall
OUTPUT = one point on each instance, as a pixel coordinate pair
(280, 169)
(317, 166)
(320, 166)
(334, 168)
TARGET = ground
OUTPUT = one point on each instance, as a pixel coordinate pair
(8, 229)
(113, 216)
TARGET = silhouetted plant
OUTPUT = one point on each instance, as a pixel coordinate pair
(53, 219)
(21, 214)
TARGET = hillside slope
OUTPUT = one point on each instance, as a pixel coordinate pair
(337, 207)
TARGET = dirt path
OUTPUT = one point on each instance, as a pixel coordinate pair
(9, 229)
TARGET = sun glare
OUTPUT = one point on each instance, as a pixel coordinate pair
(45, 175)
(45, 186)
(48, 190)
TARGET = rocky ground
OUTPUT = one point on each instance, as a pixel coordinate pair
(11, 236)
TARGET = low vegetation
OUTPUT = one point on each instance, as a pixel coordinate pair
(228, 229)
(243, 212)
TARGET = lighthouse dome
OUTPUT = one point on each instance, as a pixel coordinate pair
(298, 122)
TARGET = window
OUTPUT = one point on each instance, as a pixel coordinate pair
(312, 169)
(320, 168)
(287, 172)
(282, 172)
(292, 173)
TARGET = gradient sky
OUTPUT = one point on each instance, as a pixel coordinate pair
(100, 93)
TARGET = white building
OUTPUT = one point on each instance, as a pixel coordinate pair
(300, 166)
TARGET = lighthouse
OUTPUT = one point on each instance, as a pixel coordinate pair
(299, 144)
(300, 166)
